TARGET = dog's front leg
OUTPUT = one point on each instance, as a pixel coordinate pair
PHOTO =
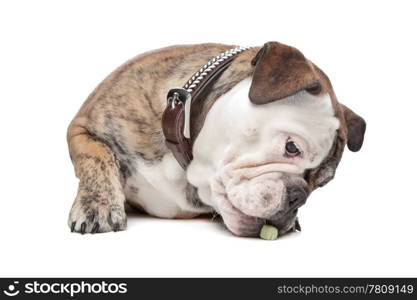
(99, 205)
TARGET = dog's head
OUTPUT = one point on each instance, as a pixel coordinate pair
(270, 141)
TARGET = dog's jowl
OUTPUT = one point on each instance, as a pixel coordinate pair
(259, 137)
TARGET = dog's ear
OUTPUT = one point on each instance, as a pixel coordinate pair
(356, 127)
(281, 71)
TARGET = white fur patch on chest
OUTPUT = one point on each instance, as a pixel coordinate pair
(160, 189)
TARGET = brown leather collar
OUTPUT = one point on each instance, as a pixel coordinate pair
(176, 116)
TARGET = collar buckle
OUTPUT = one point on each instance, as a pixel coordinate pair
(180, 96)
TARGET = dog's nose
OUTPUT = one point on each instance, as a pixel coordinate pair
(296, 197)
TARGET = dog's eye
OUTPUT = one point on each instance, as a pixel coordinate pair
(315, 89)
(291, 149)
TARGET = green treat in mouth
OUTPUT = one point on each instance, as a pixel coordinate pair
(268, 232)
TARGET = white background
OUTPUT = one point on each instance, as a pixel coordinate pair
(53, 54)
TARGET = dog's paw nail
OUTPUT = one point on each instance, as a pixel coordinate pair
(73, 226)
(86, 218)
(96, 228)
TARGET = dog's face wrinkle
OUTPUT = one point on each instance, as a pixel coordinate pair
(249, 160)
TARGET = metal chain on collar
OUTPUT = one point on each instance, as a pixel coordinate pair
(176, 117)
(183, 96)
(210, 66)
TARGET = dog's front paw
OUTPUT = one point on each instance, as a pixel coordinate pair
(94, 216)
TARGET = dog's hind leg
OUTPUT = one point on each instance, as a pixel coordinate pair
(99, 205)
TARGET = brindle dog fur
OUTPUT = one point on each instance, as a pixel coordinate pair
(120, 122)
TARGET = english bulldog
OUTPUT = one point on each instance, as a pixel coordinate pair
(266, 133)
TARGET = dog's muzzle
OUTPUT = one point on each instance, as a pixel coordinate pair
(248, 203)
